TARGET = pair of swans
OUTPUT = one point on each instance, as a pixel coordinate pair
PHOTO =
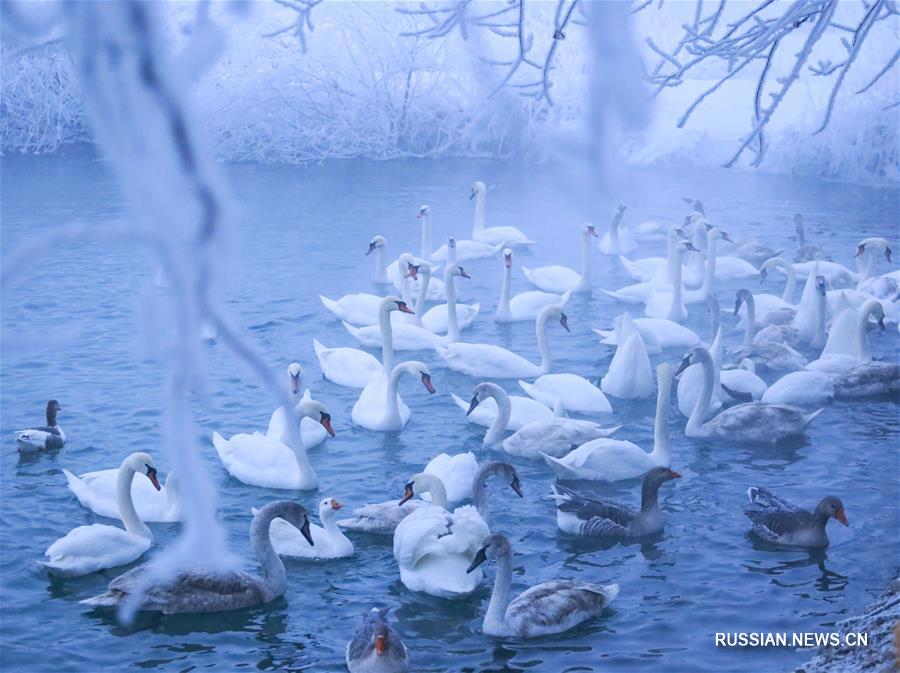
(553, 435)
(312, 431)
(437, 319)
(492, 235)
(433, 546)
(768, 347)
(87, 549)
(328, 540)
(560, 279)
(848, 344)
(380, 407)
(452, 251)
(629, 375)
(525, 305)
(48, 437)
(522, 410)
(607, 459)
(209, 590)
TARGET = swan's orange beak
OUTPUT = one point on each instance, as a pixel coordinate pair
(407, 493)
(295, 384)
(840, 516)
(507, 261)
(379, 644)
(403, 308)
(335, 504)
(325, 420)
(426, 381)
(413, 272)
(151, 475)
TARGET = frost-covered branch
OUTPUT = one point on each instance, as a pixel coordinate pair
(301, 24)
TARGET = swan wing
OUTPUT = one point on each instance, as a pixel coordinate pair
(552, 607)
(456, 472)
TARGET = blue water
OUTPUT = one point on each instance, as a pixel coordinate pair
(72, 330)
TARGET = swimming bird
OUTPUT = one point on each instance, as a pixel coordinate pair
(525, 305)
(328, 541)
(560, 279)
(48, 437)
(375, 647)
(778, 521)
(492, 235)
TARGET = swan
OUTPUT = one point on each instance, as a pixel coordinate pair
(751, 250)
(264, 461)
(800, 388)
(433, 547)
(203, 590)
(553, 436)
(357, 309)
(884, 286)
(868, 379)
(707, 288)
(806, 252)
(380, 407)
(406, 285)
(790, 285)
(617, 241)
(328, 541)
(378, 245)
(629, 375)
(489, 361)
(733, 267)
(454, 251)
(437, 318)
(616, 459)
(492, 235)
(749, 422)
(837, 275)
(49, 437)
(356, 368)
(522, 410)
(312, 433)
(560, 279)
(652, 270)
(742, 382)
(778, 521)
(766, 350)
(98, 490)
(690, 383)
(525, 305)
(375, 647)
(666, 300)
(577, 514)
(456, 473)
(575, 392)
(87, 549)
(657, 333)
(548, 608)
(848, 344)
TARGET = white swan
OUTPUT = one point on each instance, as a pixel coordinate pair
(380, 407)
(617, 241)
(489, 361)
(525, 305)
(616, 459)
(657, 333)
(742, 383)
(98, 492)
(653, 270)
(837, 275)
(437, 318)
(378, 245)
(766, 349)
(554, 436)
(454, 251)
(550, 607)
(754, 422)
(357, 309)
(560, 279)
(434, 547)
(87, 549)
(575, 393)
(522, 410)
(328, 541)
(202, 591)
(629, 375)
(805, 252)
(48, 437)
(312, 433)
(492, 235)
(800, 388)
(666, 300)
(707, 288)
(264, 461)
(690, 383)
(848, 343)
(356, 368)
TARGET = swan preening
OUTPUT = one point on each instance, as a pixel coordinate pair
(46, 437)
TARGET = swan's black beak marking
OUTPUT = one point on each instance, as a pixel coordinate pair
(472, 404)
(407, 493)
(564, 321)
(426, 381)
(517, 487)
(371, 249)
(763, 274)
(151, 475)
(887, 254)
(685, 363)
(480, 558)
(304, 529)
(860, 249)
(463, 274)
(471, 195)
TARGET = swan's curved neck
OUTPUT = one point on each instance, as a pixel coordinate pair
(585, 283)
(425, 249)
(862, 340)
(676, 309)
(671, 253)
(478, 224)
(452, 320)
(614, 229)
(387, 340)
(433, 484)
(479, 488)
(819, 335)
(274, 575)
(420, 299)
(709, 278)
(130, 518)
(392, 402)
(790, 285)
(698, 413)
(543, 344)
(661, 429)
(501, 422)
(750, 319)
(505, 290)
(380, 265)
(495, 617)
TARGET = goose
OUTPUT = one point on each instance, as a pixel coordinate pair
(618, 241)
(437, 318)
(576, 393)
(806, 252)
(577, 514)
(264, 461)
(848, 344)
(560, 279)
(380, 407)
(800, 389)
(312, 433)
(454, 251)
(457, 474)
(433, 547)
(754, 422)
(522, 410)
(49, 437)
(328, 541)
(87, 549)
(616, 459)
(489, 361)
(375, 647)
(98, 492)
(629, 375)
(780, 522)
(492, 235)
(204, 590)
(545, 609)
(868, 379)
(553, 436)
(666, 300)
(378, 245)
(657, 333)
(525, 305)
(766, 350)
(355, 368)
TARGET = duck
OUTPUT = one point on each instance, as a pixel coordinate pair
(525, 305)
(378, 245)
(616, 459)
(800, 389)
(355, 368)
(88, 549)
(490, 361)
(328, 540)
(508, 236)
(868, 379)
(806, 252)
(259, 460)
(375, 647)
(545, 609)
(561, 279)
(618, 241)
(553, 436)
(522, 410)
(206, 590)
(574, 392)
(780, 522)
(629, 375)
(578, 514)
(48, 437)
(312, 433)
(437, 318)
(753, 422)
(98, 492)
(848, 343)
(380, 407)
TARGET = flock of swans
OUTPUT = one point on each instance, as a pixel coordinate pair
(440, 543)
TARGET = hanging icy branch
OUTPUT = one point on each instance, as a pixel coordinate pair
(301, 24)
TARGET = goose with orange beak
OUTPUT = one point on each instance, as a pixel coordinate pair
(328, 540)
(780, 522)
(376, 647)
